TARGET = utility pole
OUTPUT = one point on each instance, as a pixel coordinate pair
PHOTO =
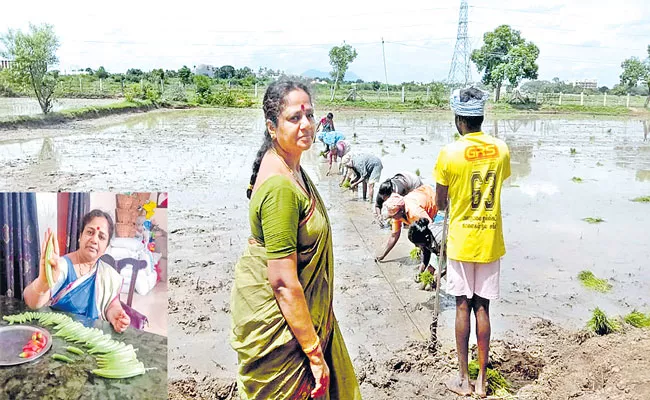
(385, 73)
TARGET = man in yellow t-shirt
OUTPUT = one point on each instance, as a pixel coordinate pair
(470, 173)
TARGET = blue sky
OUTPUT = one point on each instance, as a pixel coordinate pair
(577, 40)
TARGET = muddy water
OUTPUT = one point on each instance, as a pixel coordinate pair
(203, 157)
(11, 107)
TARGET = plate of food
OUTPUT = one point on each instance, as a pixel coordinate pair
(23, 343)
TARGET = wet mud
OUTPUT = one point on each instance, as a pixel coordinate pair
(203, 158)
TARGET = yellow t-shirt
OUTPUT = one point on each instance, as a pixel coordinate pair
(474, 168)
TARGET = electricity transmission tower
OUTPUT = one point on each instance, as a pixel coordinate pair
(459, 73)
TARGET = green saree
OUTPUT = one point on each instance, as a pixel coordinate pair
(272, 364)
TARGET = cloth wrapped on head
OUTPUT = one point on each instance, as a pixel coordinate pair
(347, 160)
(394, 204)
(472, 107)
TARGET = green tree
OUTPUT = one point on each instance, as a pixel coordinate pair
(505, 55)
(101, 73)
(157, 75)
(186, 75)
(243, 73)
(89, 71)
(340, 59)
(225, 72)
(203, 86)
(32, 54)
(636, 72)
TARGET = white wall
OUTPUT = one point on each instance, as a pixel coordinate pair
(104, 201)
(46, 211)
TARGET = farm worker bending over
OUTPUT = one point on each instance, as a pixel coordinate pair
(470, 172)
(420, 203)
(341, 148)
(367, 169)
(402, 183)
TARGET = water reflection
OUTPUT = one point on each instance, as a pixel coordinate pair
(520, 157)
(521, 149)
(643, 175)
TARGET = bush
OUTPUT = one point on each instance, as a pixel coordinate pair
(230, 98)
(175, 93)
(203, 88)
(133, 92)
(136, 91)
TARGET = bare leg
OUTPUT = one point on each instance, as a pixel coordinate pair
(460, 384)
(482, 312)
(365, 189)
(371, 190)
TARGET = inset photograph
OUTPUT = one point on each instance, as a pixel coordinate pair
(83, 295)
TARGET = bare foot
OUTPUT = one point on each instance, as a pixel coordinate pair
(459, 386)
(481, 386)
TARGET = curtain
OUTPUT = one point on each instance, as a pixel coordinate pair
(20, 249)
(78, 206)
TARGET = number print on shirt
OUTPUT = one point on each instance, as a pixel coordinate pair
(483, 189)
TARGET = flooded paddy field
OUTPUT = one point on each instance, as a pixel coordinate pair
(15, 106)
(203, 158)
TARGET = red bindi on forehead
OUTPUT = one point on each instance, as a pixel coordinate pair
(302, 107)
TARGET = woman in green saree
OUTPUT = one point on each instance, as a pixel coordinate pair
(287, 339)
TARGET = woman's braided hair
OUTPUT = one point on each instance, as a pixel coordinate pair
(273, 104)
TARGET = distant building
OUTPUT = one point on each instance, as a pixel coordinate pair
(4, 63)
(586, 84)
(319, 82)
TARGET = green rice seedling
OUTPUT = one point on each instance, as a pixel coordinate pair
(637, 319)
(577, 179)
(642, 199)
(496, 383)
(456, 136)
(415, 253)
(383, 151)
(593, 220)
(417, 172)
(427, 278)
(599, 164)
(590, 281)
(573, 151)
(601, 325)
(403, 147)
(346, 184)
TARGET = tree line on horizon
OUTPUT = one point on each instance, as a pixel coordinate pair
(505, 58)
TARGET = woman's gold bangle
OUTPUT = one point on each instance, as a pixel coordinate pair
(313, 347)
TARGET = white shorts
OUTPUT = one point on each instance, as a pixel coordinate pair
(469, 279)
